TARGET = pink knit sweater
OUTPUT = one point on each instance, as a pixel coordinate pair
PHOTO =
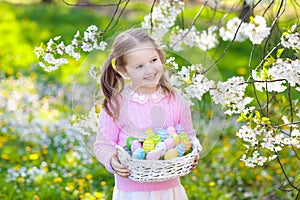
(137, 114)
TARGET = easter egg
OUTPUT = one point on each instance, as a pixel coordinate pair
(183, 136)
(171, 130)
(162, 134)
(139, 154)
(149, 133)
(156, 139)
(179, 128)
(142, 137)
(129, 140)
(169, 143)
(181, 149)
(171, 153)
(127, 150)
(148, 144)
(154, 154)
(187, 144)
(156, 130)
(135, 144)
(162, 147)
(176, 139)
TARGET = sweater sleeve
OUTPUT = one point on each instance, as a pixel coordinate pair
(187, 122)
(106, 139)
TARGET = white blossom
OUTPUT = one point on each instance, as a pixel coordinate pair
(52, 56)
(207, 39)
(164, 14)
(254, 160)
(86, 46)
(70, 51)
(291, 39)
(231, 95)
(257, 30)
(87, 125)
(282, 71)
(231, 28)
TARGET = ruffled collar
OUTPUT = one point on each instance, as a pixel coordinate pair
(144, 98)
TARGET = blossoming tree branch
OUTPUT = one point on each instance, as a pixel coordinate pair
(266, 103)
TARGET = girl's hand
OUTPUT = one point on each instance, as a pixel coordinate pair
(121, 170)
(195, 162)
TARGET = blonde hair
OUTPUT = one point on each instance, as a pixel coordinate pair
(112, 82)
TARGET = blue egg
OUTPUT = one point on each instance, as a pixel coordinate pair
(139, 154)
(179, 128)
(162, 134)
(181, 149)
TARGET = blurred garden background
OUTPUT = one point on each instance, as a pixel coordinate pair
(42, 157)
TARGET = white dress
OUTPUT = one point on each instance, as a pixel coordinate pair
(175, 193)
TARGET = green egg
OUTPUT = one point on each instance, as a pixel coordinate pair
(128, 141)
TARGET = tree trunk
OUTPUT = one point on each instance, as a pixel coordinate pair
(246, 12)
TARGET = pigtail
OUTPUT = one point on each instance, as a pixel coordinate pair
(110, 80)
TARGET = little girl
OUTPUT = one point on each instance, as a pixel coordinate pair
(147, 102)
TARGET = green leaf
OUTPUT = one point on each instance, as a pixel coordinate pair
(251, 19)
(257, 114)
(266, 120)
(297, 54)
(284, 100)
(242, 118)
(279, 52)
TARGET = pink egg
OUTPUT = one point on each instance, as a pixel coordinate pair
(135, 144)
(171, 130)
(169, 143)
(154, 154)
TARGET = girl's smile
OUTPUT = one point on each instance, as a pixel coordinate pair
(144, 68)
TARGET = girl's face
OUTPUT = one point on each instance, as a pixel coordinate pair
(144, 68)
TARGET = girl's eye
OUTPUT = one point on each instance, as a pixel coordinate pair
(139, 66)
(154, 59)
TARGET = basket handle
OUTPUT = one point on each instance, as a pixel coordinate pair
(120, 149)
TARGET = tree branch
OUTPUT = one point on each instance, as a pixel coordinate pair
(91, 4)
(233, 39)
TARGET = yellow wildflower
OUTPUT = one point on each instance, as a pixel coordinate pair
(212, 184)
(5, 157)
(57, 180)
(33, 156)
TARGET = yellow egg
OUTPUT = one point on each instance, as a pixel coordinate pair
(149, 133)
(175, 138)
(148, 145)
(183, 136)
(187, 144)
(156, 139)
(171, 153)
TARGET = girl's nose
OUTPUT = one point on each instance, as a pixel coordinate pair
(149, 69)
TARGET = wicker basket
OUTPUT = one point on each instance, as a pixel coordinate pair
(157, 170)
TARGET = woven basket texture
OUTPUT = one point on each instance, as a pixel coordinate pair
(156, 170)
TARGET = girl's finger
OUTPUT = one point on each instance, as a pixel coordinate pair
(120, 169)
